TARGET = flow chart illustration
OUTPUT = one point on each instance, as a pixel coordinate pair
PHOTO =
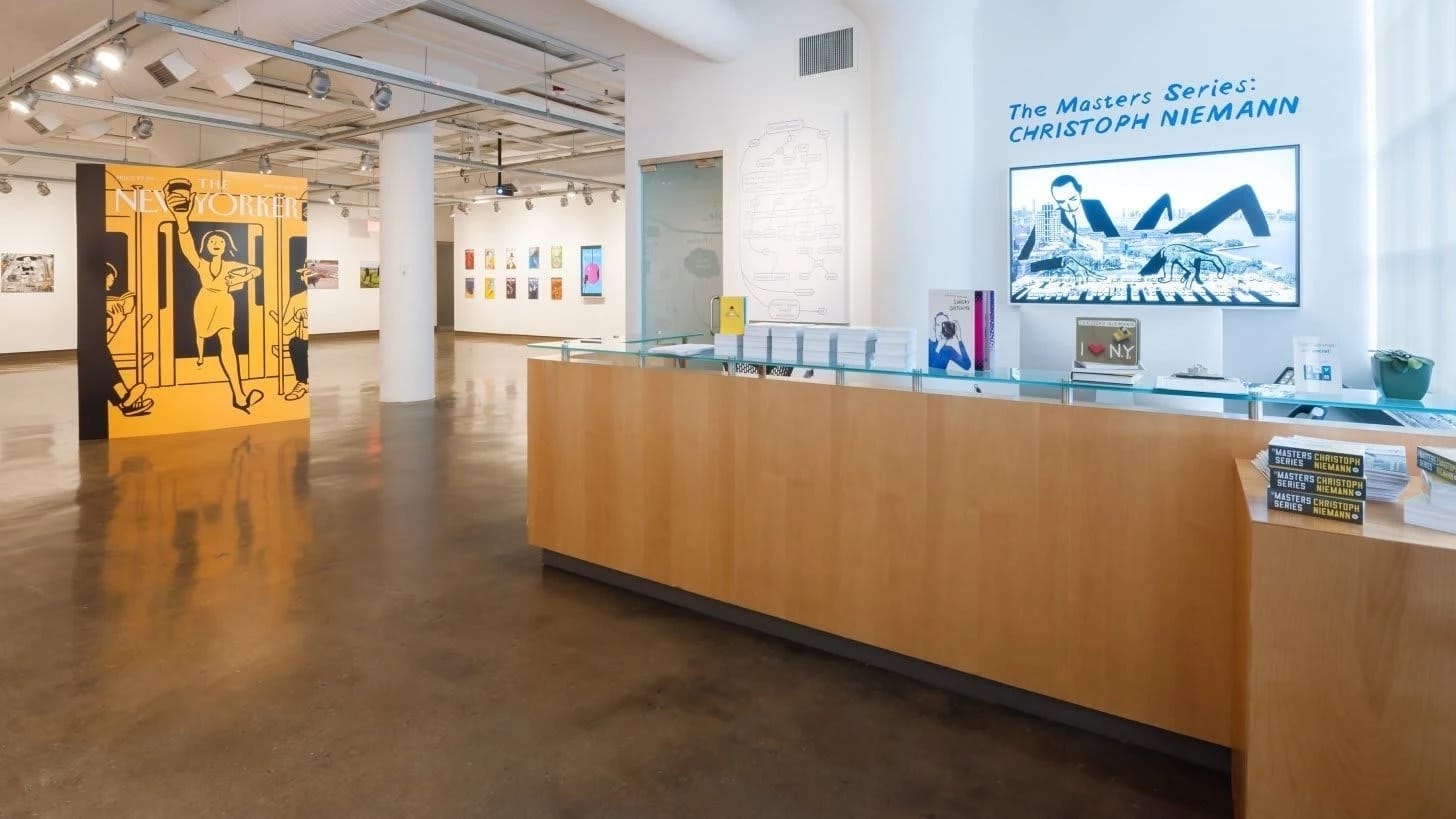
(792, 211)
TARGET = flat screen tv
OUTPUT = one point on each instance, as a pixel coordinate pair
(1212, 229)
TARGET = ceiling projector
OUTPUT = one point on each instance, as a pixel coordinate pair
(507, 189)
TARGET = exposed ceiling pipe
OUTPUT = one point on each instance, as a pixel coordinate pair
(334, 139)
(345, 64)
(713, 29)
(215, 64)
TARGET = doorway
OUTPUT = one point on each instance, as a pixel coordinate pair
(444, 285)
(682, 243)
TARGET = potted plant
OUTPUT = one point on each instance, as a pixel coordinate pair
(1401, 375)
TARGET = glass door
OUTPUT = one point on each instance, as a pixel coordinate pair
(682, 244)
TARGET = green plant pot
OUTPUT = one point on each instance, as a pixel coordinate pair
(1403, 385)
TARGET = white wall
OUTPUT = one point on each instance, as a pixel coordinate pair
(330, 236)
(1037, 51)
(29, 222)
(678, 104)
(549, 224)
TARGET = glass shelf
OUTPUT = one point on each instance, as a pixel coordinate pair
(1256, 397)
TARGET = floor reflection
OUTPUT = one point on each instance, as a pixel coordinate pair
(194, 544)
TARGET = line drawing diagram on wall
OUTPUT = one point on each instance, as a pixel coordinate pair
(791, 199)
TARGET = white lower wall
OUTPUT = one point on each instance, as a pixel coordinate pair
(603, 223)
(31, 223)
(350, 309)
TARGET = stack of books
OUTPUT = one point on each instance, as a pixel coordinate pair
(1331, 479)
(894, 348)
(784, 343)
(726, 346)
(854, 346)
(1435, 507)
(818, 345)
(1125, 375)
(756, 343)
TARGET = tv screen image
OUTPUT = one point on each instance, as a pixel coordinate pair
(1211, 229)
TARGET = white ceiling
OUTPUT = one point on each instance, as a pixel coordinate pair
(414, 40)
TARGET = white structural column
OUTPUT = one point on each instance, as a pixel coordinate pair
(923, 133)
(407, 264)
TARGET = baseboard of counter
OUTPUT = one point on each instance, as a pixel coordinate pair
(1188, 749)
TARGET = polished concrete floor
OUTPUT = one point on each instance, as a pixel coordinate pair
(344, 618)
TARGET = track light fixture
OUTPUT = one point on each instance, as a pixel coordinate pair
(344, 212)
(84, 72)
(43, 188)
(382, 96)
(143, 128)
(464, 208)
(530, 205)
(586, 195)
(112, 56)
(334, 198)
(25, 101)
(5, 186)
(616, 197)
(571, 189)
(495, 206)
(366, 162)
(319, 84)
(265, 164)
(565, 200)
(61, 81)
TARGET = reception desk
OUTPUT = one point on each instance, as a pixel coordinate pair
(1087, 554)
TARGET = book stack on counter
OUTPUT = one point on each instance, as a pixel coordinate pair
(1331, 479)
(784, 343)
(726, 346)
(756, 343)
(854, 346)
(1435, 507)
(894, 348)
(1125, 375)
(819, 345)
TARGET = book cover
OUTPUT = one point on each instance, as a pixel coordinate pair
(983, 356)
(952, 320)
(1103, 342)
(1316, 506)
(1333, 486)
(1439, 461)
(732, 315)
(1316, 460)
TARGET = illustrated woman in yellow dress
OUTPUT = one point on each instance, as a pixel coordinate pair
(212, 311)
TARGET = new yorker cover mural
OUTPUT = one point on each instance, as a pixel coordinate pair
(192, 300)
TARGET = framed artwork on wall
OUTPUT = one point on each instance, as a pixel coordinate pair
(511, 287)
(591, 272)
(533, 288)
(27, 273)
(490, 288)
(490, 258)
(556, 257)
(533, 258)
(556, 288)
(469, 258)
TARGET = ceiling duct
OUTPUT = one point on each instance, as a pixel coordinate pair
(44, 123)
(169, 60)
(713, 29)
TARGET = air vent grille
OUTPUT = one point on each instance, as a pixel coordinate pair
(38, 126)
(162, 74)
(833, 51)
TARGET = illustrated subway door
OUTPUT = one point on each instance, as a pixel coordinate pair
(192, 313)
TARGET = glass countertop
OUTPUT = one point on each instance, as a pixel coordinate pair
(1151, 384)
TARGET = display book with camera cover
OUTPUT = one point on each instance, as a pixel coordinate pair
(962, 331)
(1109, 351)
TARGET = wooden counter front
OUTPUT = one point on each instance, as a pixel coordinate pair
(1350, 708)
(1082, 552)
